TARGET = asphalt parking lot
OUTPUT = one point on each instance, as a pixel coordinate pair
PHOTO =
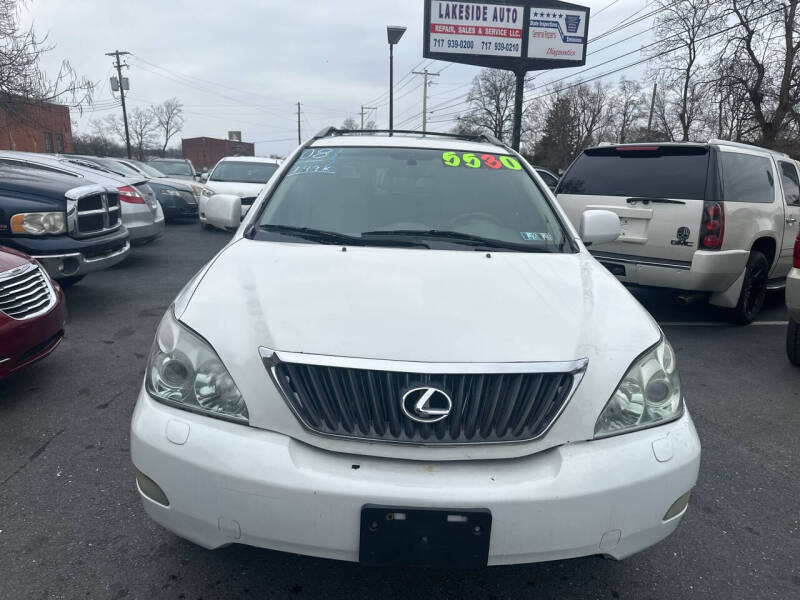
(71, 524)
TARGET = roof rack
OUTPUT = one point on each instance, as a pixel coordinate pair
(748, 147)
(481, 137)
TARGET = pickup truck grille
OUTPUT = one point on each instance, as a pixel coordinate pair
(25, 293)
(97, 213)
(368, 403)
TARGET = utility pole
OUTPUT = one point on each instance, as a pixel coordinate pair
(364, 108)
(116, 54)
(652, 106)
(299, 138)
(426, 75)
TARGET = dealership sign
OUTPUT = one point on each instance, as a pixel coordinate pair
(517, 36)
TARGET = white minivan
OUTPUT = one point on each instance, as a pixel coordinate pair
(406, 355)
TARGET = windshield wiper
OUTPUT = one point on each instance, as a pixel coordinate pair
(467, 239)
(333, 237)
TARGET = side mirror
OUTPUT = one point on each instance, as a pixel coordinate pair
(599, 227)
(204, 177)
(224, 211)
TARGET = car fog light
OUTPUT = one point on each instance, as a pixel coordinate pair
(678, 506)
(151, 489)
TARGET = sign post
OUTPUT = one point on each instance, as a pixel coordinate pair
(513, 35)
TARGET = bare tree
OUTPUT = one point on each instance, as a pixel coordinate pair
(591, 109)
(629, 109)
(683, 29)
(169, 117)
(491, 104)
(22, 82)
(763, 54)
(142, 125)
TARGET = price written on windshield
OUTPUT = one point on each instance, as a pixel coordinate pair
(476, 161)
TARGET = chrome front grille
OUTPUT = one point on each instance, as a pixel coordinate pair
(495, 403)
(25, 292)
(93, 210)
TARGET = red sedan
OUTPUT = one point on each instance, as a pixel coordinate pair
(32, 312)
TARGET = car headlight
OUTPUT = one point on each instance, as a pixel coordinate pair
(185, 372)
(208, 192)
(170, 192)
(649, 394)
(43, 223)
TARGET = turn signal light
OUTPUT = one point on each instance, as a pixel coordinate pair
(129, 194)
(712, 229)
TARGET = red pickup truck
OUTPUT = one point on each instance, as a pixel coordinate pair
(32, 312)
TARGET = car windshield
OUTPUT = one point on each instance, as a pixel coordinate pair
(119, 168)
(431, 198)
(243, 172)
(149, 170)
(173, 168)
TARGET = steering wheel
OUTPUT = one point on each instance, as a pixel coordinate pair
(482, 216)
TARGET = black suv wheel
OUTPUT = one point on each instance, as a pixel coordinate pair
(754, 290)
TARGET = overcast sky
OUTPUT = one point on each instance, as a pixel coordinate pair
(244, 64)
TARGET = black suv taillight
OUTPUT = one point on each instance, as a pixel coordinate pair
(712, 229)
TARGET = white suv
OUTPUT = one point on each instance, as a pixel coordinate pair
(242, 176)
(407, 356)
(718, 218)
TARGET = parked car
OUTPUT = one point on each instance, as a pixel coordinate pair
(178, 198)
(793, 304)
(242, 176)
(404, 376)
(550, 179)
(716, 220)
(70, 226)
(182, 168)
(141, 213)
(32, 312)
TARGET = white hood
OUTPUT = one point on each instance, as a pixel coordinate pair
(416, 305)
(413, 305)
(243, 190)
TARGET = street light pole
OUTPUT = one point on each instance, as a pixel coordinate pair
(394, 34)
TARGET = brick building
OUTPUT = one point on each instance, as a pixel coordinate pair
(205, 152)
(42, 127)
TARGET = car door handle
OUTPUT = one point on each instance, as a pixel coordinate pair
(791, 220)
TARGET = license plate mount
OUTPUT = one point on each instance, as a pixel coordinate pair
(425, 537)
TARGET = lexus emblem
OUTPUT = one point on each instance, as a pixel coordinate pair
(426, 405)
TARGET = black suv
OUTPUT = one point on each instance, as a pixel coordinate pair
(70, 230)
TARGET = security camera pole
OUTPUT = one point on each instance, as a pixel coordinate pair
(513, 35)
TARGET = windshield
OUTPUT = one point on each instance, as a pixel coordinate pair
(149, 170)
(173, 168)
(434, 198)
(645, 172)
(243, 172)
(119, 168)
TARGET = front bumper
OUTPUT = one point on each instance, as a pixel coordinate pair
(77, 264)
(24, 342)
(709, 271)
(229, 483)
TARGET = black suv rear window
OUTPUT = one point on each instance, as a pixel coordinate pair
(644, 172)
